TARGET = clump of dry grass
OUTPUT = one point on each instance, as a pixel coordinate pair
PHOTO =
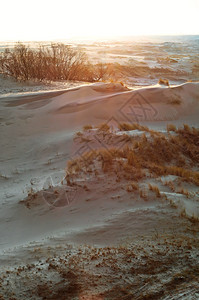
(78, 134)
(193, 218)
(171, 127)
(143, 194)
(103, 127)
(187, 175)
(170, 184)
(155, 189)
(135, 186)
(87, 127)
(163, 81)
(175, 100)
(131, 158)
(133, 126)
(184, 192)
(132, 187)
(106, 159)
(156, 155)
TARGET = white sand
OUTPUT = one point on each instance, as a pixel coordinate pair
(36, 141)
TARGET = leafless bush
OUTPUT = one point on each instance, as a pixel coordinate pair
(54, 62)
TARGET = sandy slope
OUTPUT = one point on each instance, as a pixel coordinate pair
(37, 133)
(36, 141)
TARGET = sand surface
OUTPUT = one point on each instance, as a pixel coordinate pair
(37, 131)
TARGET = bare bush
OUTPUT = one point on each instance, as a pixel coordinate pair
(54, 62)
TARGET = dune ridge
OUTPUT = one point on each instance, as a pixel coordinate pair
(37, 132)
(162, 103)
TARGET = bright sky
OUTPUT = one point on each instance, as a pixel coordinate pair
(65, 19)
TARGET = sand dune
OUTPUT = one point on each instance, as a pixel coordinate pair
(37, 131)
(104, 101)
(148, 104)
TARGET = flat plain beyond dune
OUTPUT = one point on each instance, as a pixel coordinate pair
(99, 193)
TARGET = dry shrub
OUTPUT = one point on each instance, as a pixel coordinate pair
(163, 81)
(184, 192)
(103, 127)
(158, 155)
(175, 100)
(155, 189)
(171, 127)
(131, 158)
(87, 127)
(133, 186)
(126, 127)
(143, 194)
(54, 62)
(106, 159)
(78, 134)
(133, 126)
(187, 175)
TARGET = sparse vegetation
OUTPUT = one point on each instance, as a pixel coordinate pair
(55, 62)
(127, 271)
(104, 127)
(163, 82)
(171, 127)
(155, 189)
(145, 157)
(184, 192)
(143, 194)
(87, 127)
(134, 126)
(132, 187)
(159, 154)
(175, 100)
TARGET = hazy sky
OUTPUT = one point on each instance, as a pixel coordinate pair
(64, 19)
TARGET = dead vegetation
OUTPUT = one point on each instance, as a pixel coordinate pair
(146, 268)
(171, 127)
(144, 158)
(163, 81)
(52, 63)
(157, 153)
(155, 189)
(175, 100)
(133, 126)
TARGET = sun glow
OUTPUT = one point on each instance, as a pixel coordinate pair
(63, 19)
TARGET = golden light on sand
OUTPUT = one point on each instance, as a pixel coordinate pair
(44, 20)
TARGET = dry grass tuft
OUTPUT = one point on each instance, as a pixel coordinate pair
(163, 81)
(171, 127)
(141, 157)
(103, 127)
(87, 127)
(132, 187)
(155, 189)
(175, 100)
(184, 192)
(133, 126)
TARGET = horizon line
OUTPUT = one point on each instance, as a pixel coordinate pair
(97, 38)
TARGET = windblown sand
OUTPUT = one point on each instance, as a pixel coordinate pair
(97, 241)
